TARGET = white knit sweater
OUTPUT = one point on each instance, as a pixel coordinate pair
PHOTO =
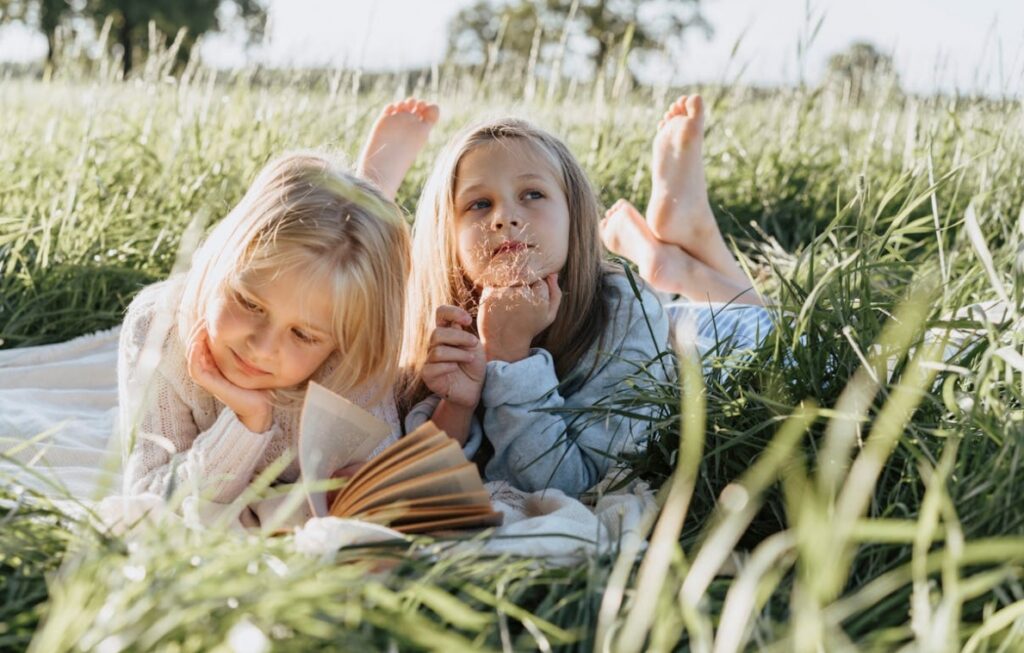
(183, 435)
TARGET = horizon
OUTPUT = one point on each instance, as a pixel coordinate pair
(972, 50)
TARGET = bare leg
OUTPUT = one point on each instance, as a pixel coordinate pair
(395, 139)
(668, 267)
(679, 212)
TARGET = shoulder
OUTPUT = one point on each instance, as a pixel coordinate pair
(154, 307)
(633, 309)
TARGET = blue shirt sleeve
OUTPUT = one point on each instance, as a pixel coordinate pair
(540, 440)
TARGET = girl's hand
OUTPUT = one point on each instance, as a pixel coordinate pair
(455, 360)
(510, 318)
(252, 407)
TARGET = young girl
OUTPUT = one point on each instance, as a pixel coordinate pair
(515, 322)
(304, 279)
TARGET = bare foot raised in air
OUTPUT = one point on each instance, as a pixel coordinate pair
(679, 211)
(666, 267)
(395, 140)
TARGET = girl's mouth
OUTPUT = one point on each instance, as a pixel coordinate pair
(510, 246)
(247, 367)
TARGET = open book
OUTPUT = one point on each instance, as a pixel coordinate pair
(421, 483)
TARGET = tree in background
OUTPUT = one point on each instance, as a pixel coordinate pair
(517, 27)
(862, 67)
(44, 15)
(131, 18)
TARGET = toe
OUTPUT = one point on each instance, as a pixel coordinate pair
(632, 210)
(694, 105)
(431, 112)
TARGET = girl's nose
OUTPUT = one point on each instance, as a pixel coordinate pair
(262, 343)
(504, 219)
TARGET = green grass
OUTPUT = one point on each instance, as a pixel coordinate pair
(859, 493)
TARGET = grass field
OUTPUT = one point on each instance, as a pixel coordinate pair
(854, 485)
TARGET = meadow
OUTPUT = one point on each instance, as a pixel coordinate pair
(854, 484)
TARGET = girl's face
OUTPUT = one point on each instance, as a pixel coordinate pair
(511, 216)
(274, 335)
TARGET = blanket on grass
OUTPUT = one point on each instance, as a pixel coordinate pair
(58, 436)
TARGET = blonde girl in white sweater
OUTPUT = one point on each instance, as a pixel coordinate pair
(304, 279)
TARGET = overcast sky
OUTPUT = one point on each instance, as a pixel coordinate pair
(967, 45)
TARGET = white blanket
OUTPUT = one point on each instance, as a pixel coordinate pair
(58, 406)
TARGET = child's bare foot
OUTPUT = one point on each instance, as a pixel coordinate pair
(395, 140)
(665, 267)
(679, 212)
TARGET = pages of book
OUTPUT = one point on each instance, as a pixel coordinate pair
(333, 433)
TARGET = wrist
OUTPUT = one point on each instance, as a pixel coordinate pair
(454, 419)
(257, 423)
(510, 352)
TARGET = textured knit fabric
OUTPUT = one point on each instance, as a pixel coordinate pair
(531, 420)
(182, 435)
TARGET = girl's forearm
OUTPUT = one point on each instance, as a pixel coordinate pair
(454, 420)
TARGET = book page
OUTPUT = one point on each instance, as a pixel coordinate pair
(445, 454)
(475, 498)
(333, 432)
(457, 480)
(454, 523)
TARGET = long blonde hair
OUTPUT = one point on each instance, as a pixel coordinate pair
(438, 278)
(302, 213)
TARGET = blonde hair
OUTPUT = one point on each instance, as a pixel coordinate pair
(302, 213)
(438, 278)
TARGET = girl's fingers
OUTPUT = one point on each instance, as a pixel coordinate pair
(432, 370)
(445, 354)
(452, 336)
(448, 315)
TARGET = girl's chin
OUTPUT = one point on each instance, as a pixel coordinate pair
(500, 277)
(247, 382)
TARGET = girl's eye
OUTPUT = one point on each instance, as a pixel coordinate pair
(305, 337)
(479, 204)
(246, 304)
(533, 195)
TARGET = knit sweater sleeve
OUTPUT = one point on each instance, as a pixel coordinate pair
(158, 402)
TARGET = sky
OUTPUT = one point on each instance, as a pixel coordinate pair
(965, 45)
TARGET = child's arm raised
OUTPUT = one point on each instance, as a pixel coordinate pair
(536, 447)
(454, 371)
(158, 407)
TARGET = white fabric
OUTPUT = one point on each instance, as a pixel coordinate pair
(58, 406)
(68, 392)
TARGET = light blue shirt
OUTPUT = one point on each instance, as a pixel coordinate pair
(540, 437)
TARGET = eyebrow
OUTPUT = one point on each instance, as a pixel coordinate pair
(526, 175)
(305, 325)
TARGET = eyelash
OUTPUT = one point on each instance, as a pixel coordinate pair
(246, 304)
(473, 205)
(309, 340)
(255, 309)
